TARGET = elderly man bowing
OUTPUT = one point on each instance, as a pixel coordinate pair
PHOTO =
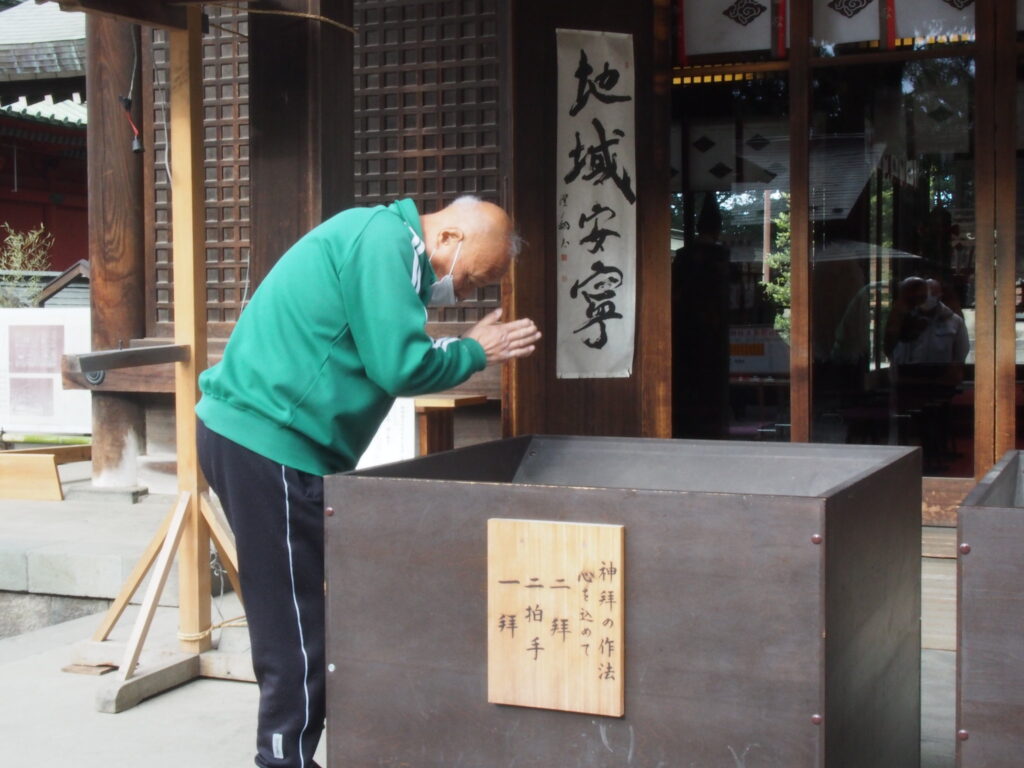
(333, 334)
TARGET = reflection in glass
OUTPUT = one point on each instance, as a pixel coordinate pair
(716, 28)
(730, 224)
(892, 209)
(854, 26)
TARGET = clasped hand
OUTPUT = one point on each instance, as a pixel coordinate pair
(504, 341)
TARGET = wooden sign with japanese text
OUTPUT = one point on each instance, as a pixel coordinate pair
(555, 616)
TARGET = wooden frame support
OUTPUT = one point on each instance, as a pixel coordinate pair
(153, 13)
(186, 77)
(90, 362)
(188, 529)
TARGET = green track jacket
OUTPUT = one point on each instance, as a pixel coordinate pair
(332, 335)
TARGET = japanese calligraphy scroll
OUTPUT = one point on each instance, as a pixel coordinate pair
(595, 194)
(555, 616)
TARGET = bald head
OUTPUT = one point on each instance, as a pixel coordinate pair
(479, 233)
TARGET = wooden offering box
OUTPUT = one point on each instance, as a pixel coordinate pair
(990, 620)
(770, 594)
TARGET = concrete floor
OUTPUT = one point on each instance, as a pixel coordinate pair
(51, 721)
(87, 545)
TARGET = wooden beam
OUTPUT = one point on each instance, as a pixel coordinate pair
(62, 454)
(984, 252)
(300, 114)
(130, 587)
(654, 297)
(152, 379)
(187, 215)
(29, 477)
(450, 402)
(125, 358)
(116, 240)
(161, 570)
(800, 359)
(154, 13)
(157, 378)
(223, 539)
(941, 498)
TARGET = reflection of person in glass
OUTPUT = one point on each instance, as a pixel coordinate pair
(923, 330)
(927, 344)
(700, 331)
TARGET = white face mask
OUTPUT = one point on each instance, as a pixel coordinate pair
(442, 293)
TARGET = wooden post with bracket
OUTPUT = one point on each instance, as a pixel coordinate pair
(187, 530)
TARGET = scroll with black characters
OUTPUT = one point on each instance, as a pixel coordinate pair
(595, 196)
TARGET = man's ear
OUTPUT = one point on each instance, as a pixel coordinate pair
(449, 236)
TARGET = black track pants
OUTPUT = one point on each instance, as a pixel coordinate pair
(277, 515)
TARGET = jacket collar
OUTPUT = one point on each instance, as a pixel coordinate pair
(406, 209)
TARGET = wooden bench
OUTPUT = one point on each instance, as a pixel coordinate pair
(31, 473)
(435, 420)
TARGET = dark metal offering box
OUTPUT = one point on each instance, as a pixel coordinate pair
(990, 620)
(771, 595)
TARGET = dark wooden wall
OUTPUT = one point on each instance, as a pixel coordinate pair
(422, 108)
(428, 111)
(535, 401)
(226, 169)
(301, 125)
(425, 119)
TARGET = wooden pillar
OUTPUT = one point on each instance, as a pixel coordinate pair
(300, 119)
(801, 358)
(1007, 232)
(187, 221)
(985, 205)
(535, 400)
(116, 240)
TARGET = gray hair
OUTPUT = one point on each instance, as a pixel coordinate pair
(515, 241)
(515, 244)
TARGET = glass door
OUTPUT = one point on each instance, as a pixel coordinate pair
(897, 279)
(892, 199)
(730, 229)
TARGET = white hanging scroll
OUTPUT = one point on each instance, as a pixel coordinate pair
(595, 195)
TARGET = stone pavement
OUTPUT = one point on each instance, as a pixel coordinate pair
(63, 558)
(50, 721)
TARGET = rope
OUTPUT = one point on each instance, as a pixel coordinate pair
(191, 637)
(296, 14)
(229, 31)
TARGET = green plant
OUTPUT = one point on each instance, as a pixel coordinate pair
(21, 254)
(777, 287)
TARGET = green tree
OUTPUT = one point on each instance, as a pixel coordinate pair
(21, 254)
(777, 287)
